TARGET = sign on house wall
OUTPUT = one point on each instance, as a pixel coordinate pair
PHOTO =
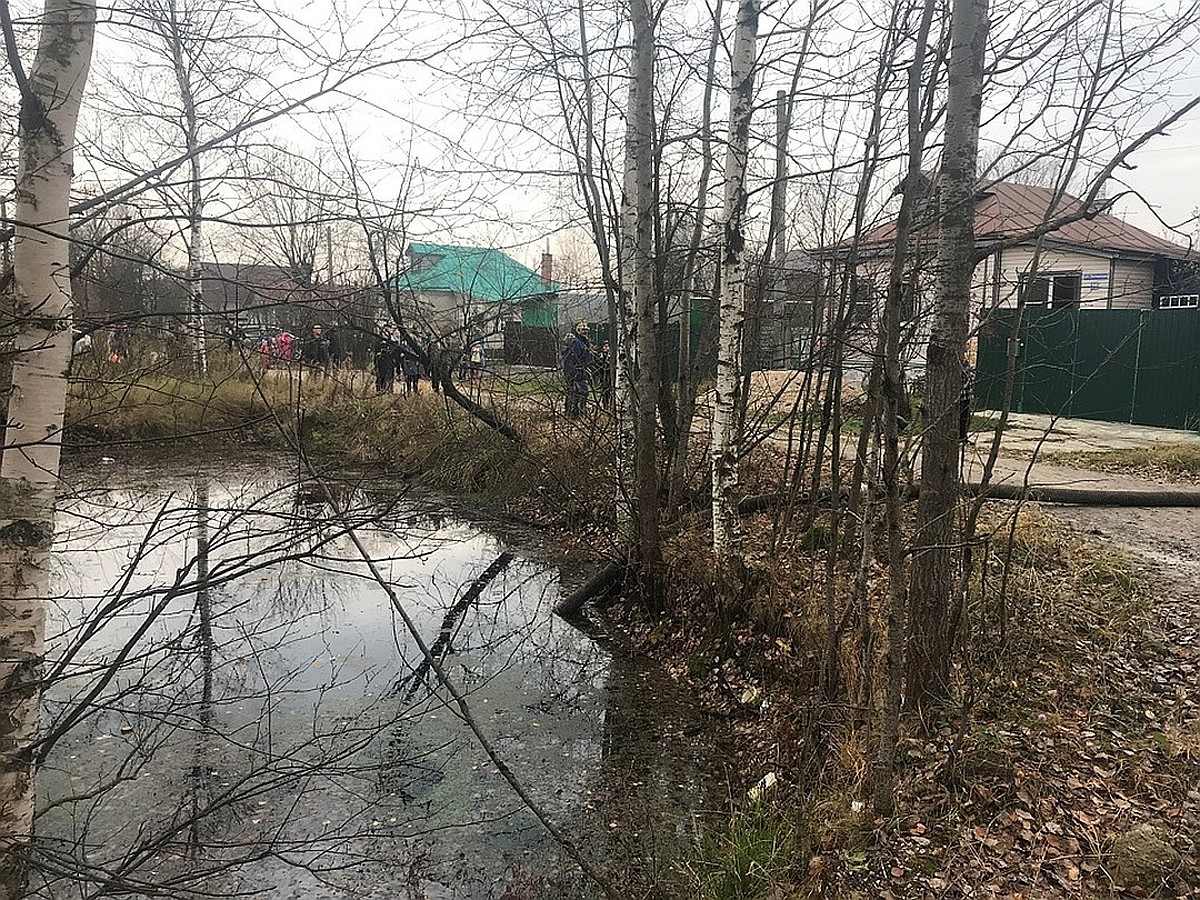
(1095, 284)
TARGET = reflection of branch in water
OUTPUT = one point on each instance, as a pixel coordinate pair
(453, 619)
(201, 766)
(175, 797)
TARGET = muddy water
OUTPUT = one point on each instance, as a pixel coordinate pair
(236, 706)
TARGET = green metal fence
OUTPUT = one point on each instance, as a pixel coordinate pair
(1118, 365)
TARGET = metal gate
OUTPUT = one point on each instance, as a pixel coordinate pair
(1115, 365)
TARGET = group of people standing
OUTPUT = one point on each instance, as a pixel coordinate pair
(413, 356)
(584, 368)
(318, 350)
(395, 356)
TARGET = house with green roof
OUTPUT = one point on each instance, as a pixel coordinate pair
(472, 291)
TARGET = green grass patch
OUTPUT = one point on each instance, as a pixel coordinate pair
(754, 858)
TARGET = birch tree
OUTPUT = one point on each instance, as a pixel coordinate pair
(725, 443)
(928, 649)
(637, 351)
(173, 32)
(50, 100)
(190, 39)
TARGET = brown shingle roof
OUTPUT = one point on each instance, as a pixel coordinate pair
(1007, 210)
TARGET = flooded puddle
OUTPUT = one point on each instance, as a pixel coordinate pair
(235, 706)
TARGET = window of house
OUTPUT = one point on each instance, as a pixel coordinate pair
(1058, 290)
(862, 303)
(910, 301)
(1180, 301)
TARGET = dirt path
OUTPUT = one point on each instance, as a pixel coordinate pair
(1167, 539)
(1164, 541)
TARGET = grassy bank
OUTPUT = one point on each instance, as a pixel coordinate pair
(1161, 462)
(563, 474)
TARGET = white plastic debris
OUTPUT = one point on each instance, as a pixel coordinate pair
(764, 787)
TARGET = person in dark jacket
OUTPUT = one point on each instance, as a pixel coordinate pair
(433, 351)
(315, 351)
(577, 361)
(336, 352)
(385, 363)
(410, 364)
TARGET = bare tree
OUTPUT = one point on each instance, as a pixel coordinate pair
(50, 99)
(726, 457)
(205, 52)
(637, 345)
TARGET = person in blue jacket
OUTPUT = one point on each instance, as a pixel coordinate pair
(577, 361)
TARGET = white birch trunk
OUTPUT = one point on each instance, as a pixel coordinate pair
(173, 33)
(195, 276)
(636, 271)
(725, 442)
(33, 437)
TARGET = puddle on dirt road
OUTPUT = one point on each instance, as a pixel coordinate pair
(235, 706)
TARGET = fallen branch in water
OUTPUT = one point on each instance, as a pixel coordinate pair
(453, 618)
(598, 585)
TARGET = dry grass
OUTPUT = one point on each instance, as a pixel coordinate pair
(562, 474)
(1165, 462)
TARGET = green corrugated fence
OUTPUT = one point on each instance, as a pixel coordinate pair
(1118, 365)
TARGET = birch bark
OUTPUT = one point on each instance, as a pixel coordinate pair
(637, 365)
(50, 99)
(690, 358)
(171, 28)
(725, 440)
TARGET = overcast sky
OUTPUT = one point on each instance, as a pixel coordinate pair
(484, 153)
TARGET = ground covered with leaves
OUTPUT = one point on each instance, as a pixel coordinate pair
(1077, 773)
(1068, 767)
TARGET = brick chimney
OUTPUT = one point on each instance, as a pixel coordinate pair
(547, 268)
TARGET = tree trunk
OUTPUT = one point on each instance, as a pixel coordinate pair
(690, 358)
(935, 555)
(637, 345)
(725, 440)
(50, 100)
(892, 395)
(172, 32)
(195, 275)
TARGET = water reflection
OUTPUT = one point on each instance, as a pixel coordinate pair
(234, 706)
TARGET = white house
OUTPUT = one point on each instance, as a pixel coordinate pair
(1096, 262)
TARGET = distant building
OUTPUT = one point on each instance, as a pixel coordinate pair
(780, 325)
(247, 298)
(473, 292)
(1095, 262)
(250, 295)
